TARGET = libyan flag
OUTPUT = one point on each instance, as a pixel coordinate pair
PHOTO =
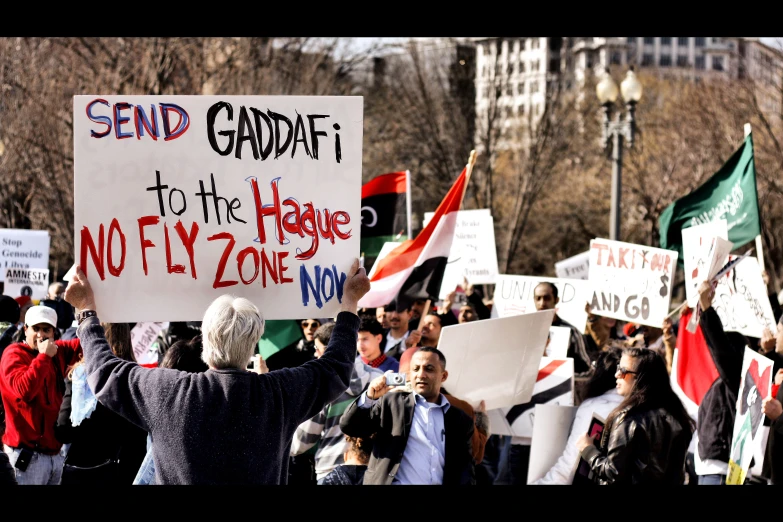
(384, 211)
(729, 194)
(278, 334)
(415, 268)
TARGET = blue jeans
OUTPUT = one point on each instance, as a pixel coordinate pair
(513, 463)
(712, 480)
(43, 469)
(146, 474)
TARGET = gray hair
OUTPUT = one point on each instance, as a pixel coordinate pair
(231, 329)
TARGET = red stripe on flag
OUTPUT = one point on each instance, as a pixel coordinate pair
(391, 183)
(547, 370)
(406, 254)
(696, 370)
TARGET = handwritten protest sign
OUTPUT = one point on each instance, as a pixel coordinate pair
(23, 249)
(697, 243)
(473, 254)
(142, 337)
(514, 295)
(755, 386)
(483, 365)
(32, 282)
(576, 267)
(179, 199)
(741, 300)
(631, 282)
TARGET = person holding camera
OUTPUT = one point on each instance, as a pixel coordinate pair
(32, 385)
(419, 437)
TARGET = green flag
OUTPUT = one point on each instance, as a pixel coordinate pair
(278, 334)
(729, 194)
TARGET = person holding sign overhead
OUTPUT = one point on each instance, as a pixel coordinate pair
(226, 425)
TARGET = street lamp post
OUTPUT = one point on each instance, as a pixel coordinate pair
(617, 132)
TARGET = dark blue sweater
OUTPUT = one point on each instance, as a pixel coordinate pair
(221, 426)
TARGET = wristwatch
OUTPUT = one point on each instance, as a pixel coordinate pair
(84, 314)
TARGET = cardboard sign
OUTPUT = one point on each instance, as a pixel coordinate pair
(741, 300)
(484, 364)
(23, 249)
(473, 253)
(554, 385)
(32, 282)
(514, 295)
(631, 282)
(697, 243)
(550, 435)
(180, 199)
(576, 267)
(755, 386)
(142, 337)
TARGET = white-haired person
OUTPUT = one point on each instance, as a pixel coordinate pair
(226, 425)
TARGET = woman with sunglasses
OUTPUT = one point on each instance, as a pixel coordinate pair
(646, 437)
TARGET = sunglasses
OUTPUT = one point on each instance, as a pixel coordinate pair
(623, 372)
(308, 324)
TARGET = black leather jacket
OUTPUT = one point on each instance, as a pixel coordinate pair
(643, 447)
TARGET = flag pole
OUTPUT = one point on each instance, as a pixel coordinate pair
(408, 201)
(468, 172)
(758, 237)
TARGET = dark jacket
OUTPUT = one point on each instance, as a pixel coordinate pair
(390, 418)
(345, 475)
(227, 426)
(719, 405)
(397, 350)
(772, 468)
(643, 447)
(7, 474)
(102, 436)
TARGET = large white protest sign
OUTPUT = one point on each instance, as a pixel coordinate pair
(554, 385)
(741, 300)
(23, 249)
(180, 199)
(550, 434)
(755, 386)
(31, 282)
(631, 282)
(697, 243)
(142, 337)
(385, 249)
(514, 295)
(473, 254)
(576, 267)
(495, 360)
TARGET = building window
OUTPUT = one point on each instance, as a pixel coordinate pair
(666, 40)
(649, 40)
(616, 58)
(700, 62)
(630, 57)
(666, 60)
(521, 110)
(647, 60)
(533, 87)
(554, 65)
(682, 41)
(521, 66)
(682, 61)
(700, 41)
(717, 63)
(631, 40)
(521, 88)
(510, 68)
(535, 43)
(535, 65)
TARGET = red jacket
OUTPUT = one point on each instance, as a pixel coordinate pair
(32, 390)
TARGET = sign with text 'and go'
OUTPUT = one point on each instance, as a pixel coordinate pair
(180, 199)
(631, 282)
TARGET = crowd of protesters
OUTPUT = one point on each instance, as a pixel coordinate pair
(332, 410)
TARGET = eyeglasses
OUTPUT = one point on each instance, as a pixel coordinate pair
(308, 324)
(623, 372)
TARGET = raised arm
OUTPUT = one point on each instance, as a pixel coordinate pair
(726, 354)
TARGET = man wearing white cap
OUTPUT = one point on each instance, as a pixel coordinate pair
(32, 385)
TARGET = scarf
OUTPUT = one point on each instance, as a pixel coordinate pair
(376, 362)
